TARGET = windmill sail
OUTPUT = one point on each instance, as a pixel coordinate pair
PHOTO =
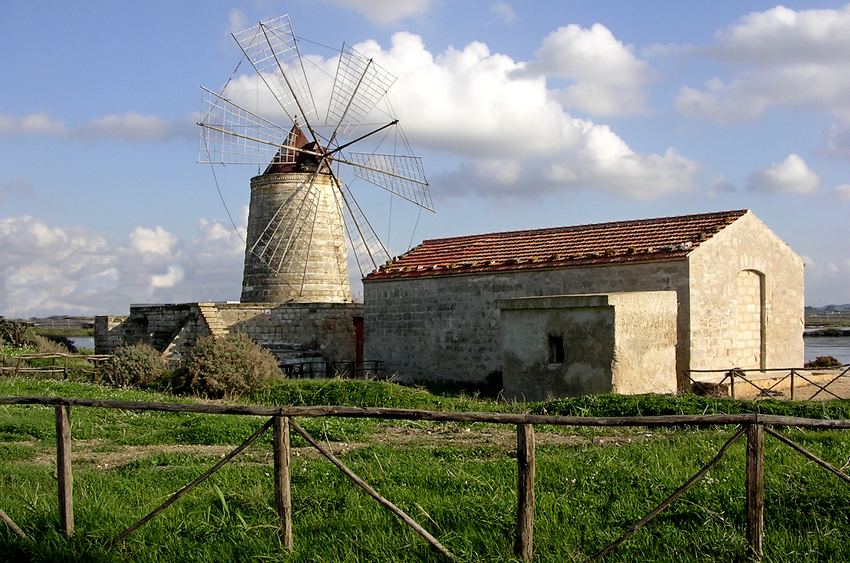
(301, 214)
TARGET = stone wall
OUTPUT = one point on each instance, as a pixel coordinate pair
(447, 328)
(585, 344)
(294, 332)
(297, 330)
(746, 300)
(156, 325)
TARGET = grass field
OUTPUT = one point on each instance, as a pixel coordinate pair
(458, 480)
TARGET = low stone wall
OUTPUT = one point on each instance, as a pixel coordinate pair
(292, 331)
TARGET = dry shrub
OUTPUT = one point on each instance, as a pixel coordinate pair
(229, 366)
(139, 365)
(45, 345)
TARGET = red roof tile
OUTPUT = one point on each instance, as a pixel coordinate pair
(645, 240)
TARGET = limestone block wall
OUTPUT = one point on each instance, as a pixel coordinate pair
(746, 299)
(448, 328)
(307, 224)
(294, 332)
(297, 330)
(531, 370)
(644, 342)
(583, 344)
(156, 325)
(109, 333)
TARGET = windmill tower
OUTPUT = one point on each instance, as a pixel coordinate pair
(302, 215)
(325, 269)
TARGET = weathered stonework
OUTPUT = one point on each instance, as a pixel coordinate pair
(299, 234)
(584, 344)
(447, 327)
(294, 332)
(746, 295)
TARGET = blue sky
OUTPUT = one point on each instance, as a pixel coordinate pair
(528, 115)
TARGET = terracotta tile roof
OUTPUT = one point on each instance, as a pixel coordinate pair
(645, 240)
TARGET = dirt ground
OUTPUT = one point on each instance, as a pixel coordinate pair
(99, 454)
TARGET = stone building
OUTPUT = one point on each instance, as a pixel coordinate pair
(439, 312)
(296, 299)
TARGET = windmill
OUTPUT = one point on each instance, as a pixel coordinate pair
(301, 211)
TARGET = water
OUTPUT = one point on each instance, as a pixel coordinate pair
(836, 346)
(82, 341)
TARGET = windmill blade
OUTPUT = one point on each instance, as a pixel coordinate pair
(360, 83)
(272, 49)
(284, 244)
(368, 249)
(401, 175)
(230, 134)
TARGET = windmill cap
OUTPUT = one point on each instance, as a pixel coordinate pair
(288, 160)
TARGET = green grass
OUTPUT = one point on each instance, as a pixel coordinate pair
(591, 484)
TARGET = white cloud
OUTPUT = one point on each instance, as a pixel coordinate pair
(129, 126)
(787, 57)
(843, 191)
(382, 12)
(152, 241)
(50, 270)
(791, 176)
(503, 11)
(170, 278)
(32, 124)
(608, 79)
(481, 107)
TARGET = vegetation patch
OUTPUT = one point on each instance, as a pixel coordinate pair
(229, 366)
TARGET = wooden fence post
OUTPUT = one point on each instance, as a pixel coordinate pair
(282, 492)
(792, 384)
(755, 490)
(732, 383)
(63, 470)
(524, 546)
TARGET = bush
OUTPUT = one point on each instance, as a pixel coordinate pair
(823, 362)
(16, 333)
(138, 365)
(45, 345)
(228, 366)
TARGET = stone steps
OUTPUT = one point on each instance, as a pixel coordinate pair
(216, 326)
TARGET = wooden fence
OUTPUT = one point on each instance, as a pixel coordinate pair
(282, 419)
(60, 364)
(767, 383)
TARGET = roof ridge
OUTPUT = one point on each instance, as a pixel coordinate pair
(544, 230)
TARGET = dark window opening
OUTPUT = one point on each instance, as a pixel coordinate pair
(556, 349)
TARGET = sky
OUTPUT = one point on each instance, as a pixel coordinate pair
(526, 114)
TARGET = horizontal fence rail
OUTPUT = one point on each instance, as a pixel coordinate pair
(754, 427)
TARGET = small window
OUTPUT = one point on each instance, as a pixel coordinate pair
(556, 349)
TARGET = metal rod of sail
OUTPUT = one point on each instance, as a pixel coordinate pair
(360, 232)
(289, 85)
(266, 82)
(360, 138)
(379, 171)
(350, 101)
(256, 140)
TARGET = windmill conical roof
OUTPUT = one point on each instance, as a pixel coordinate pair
(288, 160)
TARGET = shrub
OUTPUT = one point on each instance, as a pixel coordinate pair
(16, 333)
(45, 345)
(139, 365)
(823, 362)
(228, 366)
